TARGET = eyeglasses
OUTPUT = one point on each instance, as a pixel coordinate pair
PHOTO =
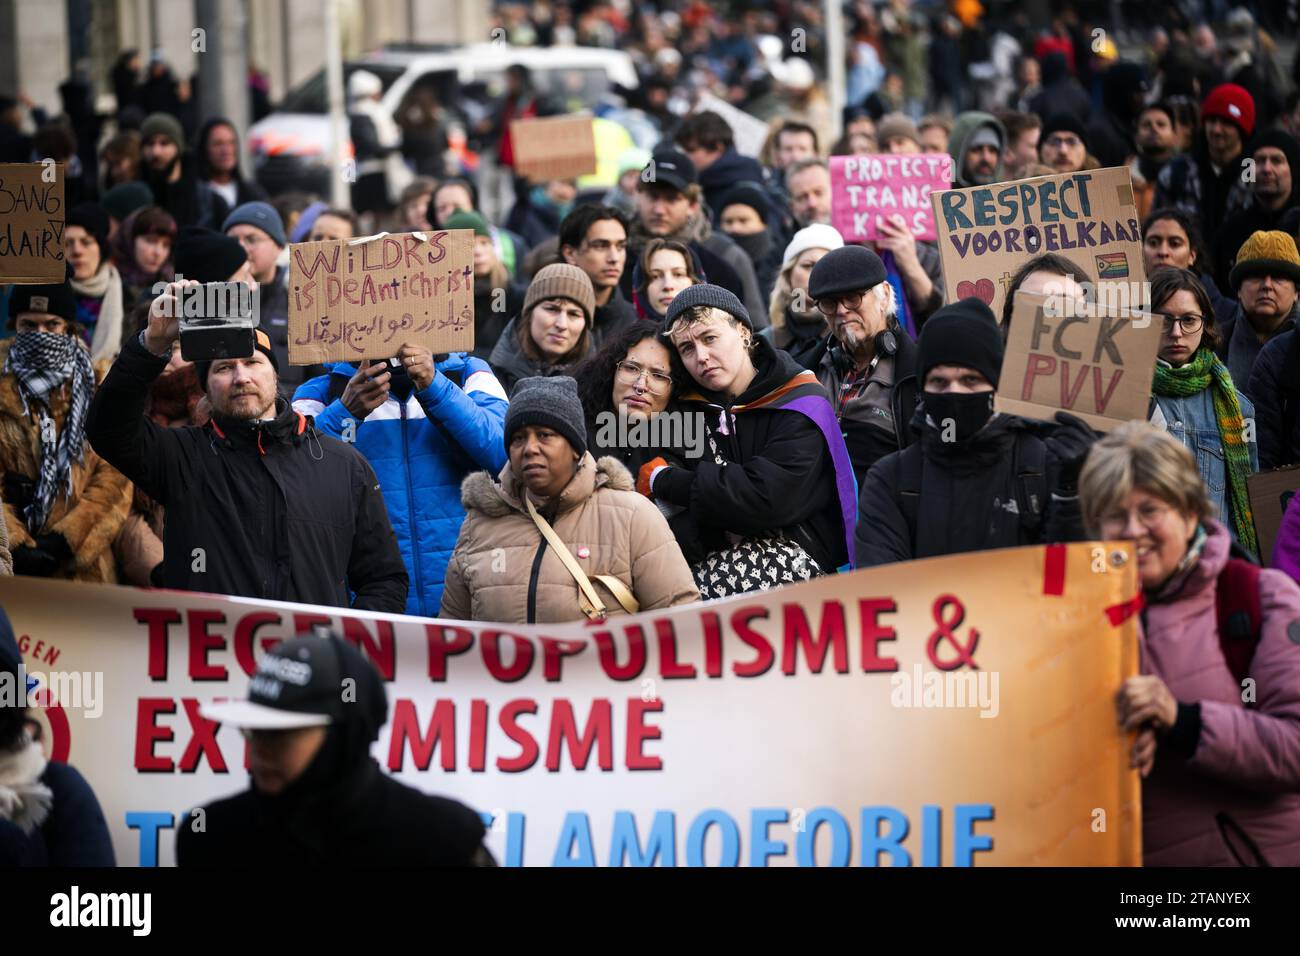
(1190, 324)
(658, 381)
(1068, 142)
(1150, 515)
(831, 304)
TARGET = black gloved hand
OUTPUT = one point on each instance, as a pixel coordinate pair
(33, 562)
(1069, 443)
(18, 489)
(55, 545)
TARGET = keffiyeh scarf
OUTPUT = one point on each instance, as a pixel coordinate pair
(42, 362)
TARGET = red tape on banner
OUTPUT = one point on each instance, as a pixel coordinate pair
(1054, 570)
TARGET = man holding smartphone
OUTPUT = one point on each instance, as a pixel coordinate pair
(259, 503)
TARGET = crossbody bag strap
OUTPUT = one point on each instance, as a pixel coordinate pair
(616, 587)
(620, 591)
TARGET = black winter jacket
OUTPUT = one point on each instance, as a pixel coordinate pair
(341, 810)
(489, 323)
(778, 473)
(367, 819)
(190, 201)
(969, 497)
(725, 172)
(1275, 389)
(280, 511)
(612, 318)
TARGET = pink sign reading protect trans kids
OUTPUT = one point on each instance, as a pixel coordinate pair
(866, 189)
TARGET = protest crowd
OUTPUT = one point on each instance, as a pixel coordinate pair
(688, 384)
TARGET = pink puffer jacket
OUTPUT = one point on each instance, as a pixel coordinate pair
(1244, 777)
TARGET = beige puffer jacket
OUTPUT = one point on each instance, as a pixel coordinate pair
(492, 574)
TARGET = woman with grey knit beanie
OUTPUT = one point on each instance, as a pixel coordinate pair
(555, 508)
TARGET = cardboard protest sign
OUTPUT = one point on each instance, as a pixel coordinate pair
(866, 189)
(748, 132)
(1096, 363)
(987, 232)
(1270, 493)
(31, 223)
(352, 300)
(955, 712)
(555, 147)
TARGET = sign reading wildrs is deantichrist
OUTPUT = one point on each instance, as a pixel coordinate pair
(355, 299)
(956, 713)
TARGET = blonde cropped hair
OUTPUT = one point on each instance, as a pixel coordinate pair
(699, 314)
(1137, 455)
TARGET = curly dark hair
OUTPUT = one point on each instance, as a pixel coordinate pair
(595, 376)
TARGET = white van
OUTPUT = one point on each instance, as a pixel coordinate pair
(290, 147)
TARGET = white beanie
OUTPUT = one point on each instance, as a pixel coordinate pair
(817, 236)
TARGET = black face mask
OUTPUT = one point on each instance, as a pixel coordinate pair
(756, 246)
(957, 416)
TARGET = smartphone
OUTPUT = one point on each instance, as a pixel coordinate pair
(217, 321)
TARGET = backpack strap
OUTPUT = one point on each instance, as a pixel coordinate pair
(1239, 611)
(1029, 460)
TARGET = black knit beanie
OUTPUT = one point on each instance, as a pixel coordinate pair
(1064, 123)
(205, 255)
(93, 218)
(711, 295)
(55, 298)
(964, 333)
(552, 402)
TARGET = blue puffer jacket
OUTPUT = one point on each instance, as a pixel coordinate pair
(421, 450)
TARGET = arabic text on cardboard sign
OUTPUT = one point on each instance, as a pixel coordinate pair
(349, 302)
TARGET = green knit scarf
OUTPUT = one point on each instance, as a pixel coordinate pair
(1200, 373)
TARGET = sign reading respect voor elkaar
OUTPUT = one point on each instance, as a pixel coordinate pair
(987, 232)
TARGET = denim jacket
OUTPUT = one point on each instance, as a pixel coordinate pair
(1191, 420)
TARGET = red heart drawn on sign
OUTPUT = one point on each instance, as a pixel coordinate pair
(983, 289)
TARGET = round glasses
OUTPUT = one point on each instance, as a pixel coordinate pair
(1190, 324)
(1149, 515)
(831, 304)
(658, 381)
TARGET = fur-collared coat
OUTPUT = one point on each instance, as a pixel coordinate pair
(92, 516)
(503, 571)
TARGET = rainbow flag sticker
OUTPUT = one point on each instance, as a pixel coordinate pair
(1112, 265)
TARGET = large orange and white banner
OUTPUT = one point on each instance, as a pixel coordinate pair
(953, 711)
